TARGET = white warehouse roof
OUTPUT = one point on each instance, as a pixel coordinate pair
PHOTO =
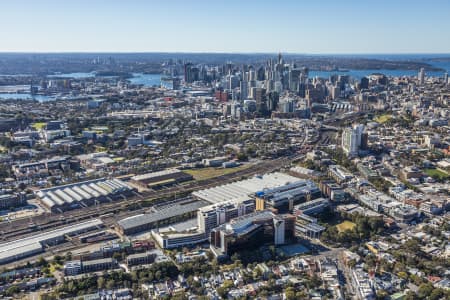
(75, 192)
(16, 248)
(244, 189)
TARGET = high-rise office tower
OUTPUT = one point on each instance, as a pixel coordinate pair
(364, 84)
(286, 106)
(273, 101)
(270, 85)
(343, 80)
(335, 92)
(261, 75)
(188, 72)
(243, 86)
(232, 82)
(421, 76)
(445, 78)
(251, 75)
(294, 79)
(191, 73)
(260, 98)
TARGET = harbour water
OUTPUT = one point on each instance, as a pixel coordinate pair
(138, 78)
(76, 75)
(146, 79)
(25, 96)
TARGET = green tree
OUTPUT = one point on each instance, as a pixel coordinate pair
(42, 262)
(158, 275)
(222, 292)
(412, 245)
(402, 275)
(437, 294)
(382, 294)
(117, 256)
(110, 284)
(301, 295)
(134, 276)
(12, 290)
(351, 263)
(242, 156)
(58, 259)
(101, 282)
(290, 293)
(235, 257)
(68, 256)
(425, 290)
(410, 295)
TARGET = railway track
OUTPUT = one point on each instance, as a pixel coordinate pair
(120, 209)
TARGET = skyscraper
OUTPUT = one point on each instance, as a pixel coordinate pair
(364, 84)
(294, 79)
(191, 73)
(352, 140)
(251, 75)
(261, 74)
(187, 72)
(335, 92)
(244, 89)
(260, 97)
(274, 98)
(445, 78)
(421, 76)
(232, 82)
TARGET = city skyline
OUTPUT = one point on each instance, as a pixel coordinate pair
(225, 150)
(231, 27)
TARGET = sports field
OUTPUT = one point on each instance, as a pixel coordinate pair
(207, 173)
(346, 225)
(436, 172)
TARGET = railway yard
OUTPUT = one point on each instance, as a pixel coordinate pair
(109, 213)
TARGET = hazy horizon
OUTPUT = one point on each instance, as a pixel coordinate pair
(232, 53)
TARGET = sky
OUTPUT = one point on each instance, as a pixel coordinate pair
(243, 26)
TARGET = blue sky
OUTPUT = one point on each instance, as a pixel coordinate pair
(297, 26)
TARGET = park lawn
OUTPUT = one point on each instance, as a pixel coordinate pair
(383, 118)
(434, 172)
(344, 226)
(100, 149)
(207, 173)
(39, 125)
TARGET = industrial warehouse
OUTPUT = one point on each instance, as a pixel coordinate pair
(244, 189)
(35, 244)
(86, 193)
(177, 212)
(161, 178)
